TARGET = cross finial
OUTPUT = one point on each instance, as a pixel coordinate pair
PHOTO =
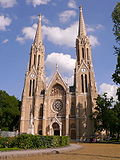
(39, 16)
(56, 67)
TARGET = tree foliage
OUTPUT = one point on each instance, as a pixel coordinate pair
(106, 116)
(116, 31)
(9, 111)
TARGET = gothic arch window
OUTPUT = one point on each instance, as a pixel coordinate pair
(41, 111)
(34, 59)
(86, 86)
(38, 60)
(57, 90)
(83, 53)
(33, 90)
(87, 54)
(82, 83)
(30, 88)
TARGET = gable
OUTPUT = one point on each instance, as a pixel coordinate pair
(57, 79)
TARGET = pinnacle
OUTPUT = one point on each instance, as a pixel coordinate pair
(82, 28)
(38, 35)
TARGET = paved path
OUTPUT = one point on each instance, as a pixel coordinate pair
(25, 153)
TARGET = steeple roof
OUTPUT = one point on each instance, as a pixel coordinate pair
(82, 28)
(38, 35)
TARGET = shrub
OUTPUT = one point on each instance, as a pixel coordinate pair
(28, 141)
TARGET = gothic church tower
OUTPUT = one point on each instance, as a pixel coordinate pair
(84, 82)
(34, 84)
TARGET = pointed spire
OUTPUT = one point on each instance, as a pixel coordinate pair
(82, 28)
(38, 35)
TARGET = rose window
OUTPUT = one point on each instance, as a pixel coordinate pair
(57, 105)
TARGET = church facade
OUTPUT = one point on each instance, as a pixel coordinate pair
(56, 108)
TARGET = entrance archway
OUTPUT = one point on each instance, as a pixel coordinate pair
(56, 129)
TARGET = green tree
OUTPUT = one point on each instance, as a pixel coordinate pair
(103, 113)
(116, 126)
(116, 31)
(107, 116)
(9, 111)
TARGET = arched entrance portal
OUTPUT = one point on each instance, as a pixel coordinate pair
(56, 129)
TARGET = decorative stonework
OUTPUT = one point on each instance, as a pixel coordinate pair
(57, 105)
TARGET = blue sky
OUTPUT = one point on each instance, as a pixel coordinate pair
(18, 20)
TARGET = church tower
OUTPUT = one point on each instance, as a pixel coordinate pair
(34, 85)
(84, 82)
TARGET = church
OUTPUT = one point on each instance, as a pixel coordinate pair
(56, 108)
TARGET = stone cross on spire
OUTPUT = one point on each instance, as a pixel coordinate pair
(82, 28)
(38, 35)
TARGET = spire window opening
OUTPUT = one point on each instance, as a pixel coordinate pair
(30, 89)
(87, 54)
(38, 60)
(82, 83)
(33, 89)
(86, 87)
(34, 59)
(83, 53)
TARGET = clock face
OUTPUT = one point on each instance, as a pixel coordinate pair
(57, 105)
(83, 69)
(32, 75)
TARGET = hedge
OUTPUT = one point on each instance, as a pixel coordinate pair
(27, 141)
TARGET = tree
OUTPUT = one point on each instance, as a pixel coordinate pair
(9, 111)
(102, 114)
(116, 31)
(107, 116)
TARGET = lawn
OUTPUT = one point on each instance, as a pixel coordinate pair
(87, 152)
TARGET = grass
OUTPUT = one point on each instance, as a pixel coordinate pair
(87, 152)
(9, 149)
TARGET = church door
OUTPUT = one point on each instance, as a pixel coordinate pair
(56, 129)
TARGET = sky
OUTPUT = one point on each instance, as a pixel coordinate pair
(18, 21)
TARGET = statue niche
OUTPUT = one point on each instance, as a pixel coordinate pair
(57, 90)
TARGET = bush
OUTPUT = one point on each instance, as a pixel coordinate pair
(6, 142)
(27, 141)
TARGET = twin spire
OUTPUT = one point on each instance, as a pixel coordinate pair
(81, 29)
(38, 35)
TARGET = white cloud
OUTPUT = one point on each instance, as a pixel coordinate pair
(65, 62)
(28, 33)
(38, 2)
(5, 41)
(4, 22)
(94, 40)
(94, 28)
(72, 4)
(109, 89)
(61, 36)
(7, 3)
(66, 65)
(66, 36)
(56, 35)
(99, 27)
(66, 15)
